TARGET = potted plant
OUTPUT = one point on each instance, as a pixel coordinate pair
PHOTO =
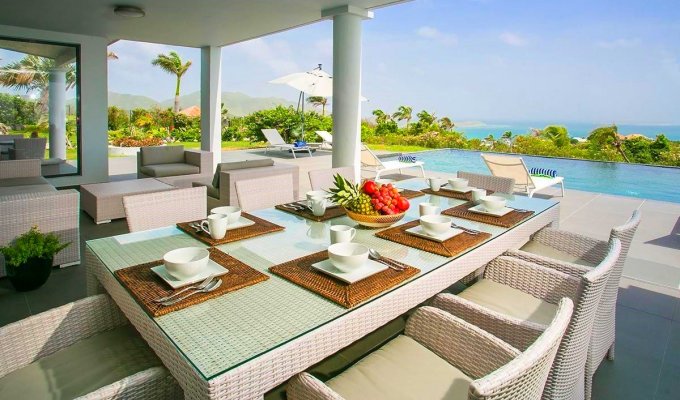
(29, 258)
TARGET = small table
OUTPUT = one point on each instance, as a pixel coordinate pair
(104, 201)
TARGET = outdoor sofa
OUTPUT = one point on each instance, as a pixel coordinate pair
(28, 199)
(173, 164)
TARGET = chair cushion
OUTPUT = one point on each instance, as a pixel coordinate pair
(171, 169)
(230, 166)
(401, 369)
(23, 189)
(213, 191)
(541, 249)
(162, 155)
(30, 180)
(509, 301)
(82, 368)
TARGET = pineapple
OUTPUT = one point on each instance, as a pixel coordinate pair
(350, 196)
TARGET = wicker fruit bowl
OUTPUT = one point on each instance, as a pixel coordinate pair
(375, 221)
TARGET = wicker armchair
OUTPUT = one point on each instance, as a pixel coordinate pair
(322, 179)
(489, 182)
(568, 251)
(516, 298)
(155, 210)
(25, 149)
(259, 193)
(442, 356)
(36, 351)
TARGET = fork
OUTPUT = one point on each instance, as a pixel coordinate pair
(200, 286)
(468, 230)
(207, 289)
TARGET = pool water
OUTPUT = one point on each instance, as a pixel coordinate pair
(657, 183)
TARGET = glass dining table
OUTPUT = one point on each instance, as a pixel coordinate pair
(244, 343)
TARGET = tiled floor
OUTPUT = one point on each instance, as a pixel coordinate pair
(647, 364)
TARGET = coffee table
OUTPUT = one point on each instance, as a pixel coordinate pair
(104, 201)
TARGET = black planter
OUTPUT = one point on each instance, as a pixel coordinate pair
(31, 275)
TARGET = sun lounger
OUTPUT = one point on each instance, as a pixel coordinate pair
(515, 168)
(371, 162)
(327, 139)
(275, 141)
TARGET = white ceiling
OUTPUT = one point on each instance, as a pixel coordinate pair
(191, 23)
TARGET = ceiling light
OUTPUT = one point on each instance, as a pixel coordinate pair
(129, 11)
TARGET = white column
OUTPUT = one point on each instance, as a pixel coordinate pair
(347, 84)
(211, 102)
(57, 110)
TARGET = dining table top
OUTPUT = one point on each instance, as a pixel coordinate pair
(225, 332)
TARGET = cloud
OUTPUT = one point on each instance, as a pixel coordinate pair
(276, 54)
(324, 47)
(428, 32)
(618, 43)
(512, 39)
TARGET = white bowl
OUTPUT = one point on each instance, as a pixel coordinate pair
(348, 257)
(186, 262)
(492, 203)
(233, 213)
(458, 183)
(316, 193)
(435, 224)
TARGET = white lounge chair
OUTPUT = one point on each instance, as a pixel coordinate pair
(327, 139)
(515, 168)
(276, 141)
(371, 162)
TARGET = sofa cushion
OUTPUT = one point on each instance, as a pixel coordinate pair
(4, 191)
(31, 180)
(170, 169)
(402, 369)
(81, 368)
(510, 301)
(162, 155)
(230, 166)
(541, 249)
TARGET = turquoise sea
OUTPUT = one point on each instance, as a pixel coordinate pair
(576, 129)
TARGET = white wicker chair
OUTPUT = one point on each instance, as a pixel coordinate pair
(25, 149)
(259, 193)
(565, 250)
(481, 365)
(489, 182)
(516, 297)
(155, 210)
(322, 179)
(30, 342)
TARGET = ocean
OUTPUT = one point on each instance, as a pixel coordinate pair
(576, 129)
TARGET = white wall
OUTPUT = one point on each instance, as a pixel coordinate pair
(93, 101)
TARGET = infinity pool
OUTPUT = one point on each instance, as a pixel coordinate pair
(641, 181)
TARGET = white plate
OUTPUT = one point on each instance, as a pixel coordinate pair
(212, 268)
(481, 210)
(463, 190)
(241, 223)
(419, 231)
(371, 267)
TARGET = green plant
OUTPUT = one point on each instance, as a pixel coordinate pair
(31, 244)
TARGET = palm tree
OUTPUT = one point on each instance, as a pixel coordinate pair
(426, 118)
(404, 113)
(172, 64)
(446, 123)
(111, 56)
(509, 139)
(381, 117)
(317, 101)
(608, 135)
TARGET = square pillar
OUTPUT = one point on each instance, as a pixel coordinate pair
(211, 102)
(57, 112)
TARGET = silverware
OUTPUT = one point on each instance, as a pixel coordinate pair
(468, 230)
(374, 255)
(212, 286)
(196, 226)
(520, 210)
(200, 286)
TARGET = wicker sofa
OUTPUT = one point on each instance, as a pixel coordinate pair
(173, 164)
(28, 199)
(222, 186)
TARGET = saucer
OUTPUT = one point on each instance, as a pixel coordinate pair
(420, 232)
(371, 267)
(212, 268)
(481, 210)
(241, 223)
(463, 190)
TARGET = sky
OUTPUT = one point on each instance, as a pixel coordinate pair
(598, 61)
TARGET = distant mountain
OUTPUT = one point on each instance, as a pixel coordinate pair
(238, 104)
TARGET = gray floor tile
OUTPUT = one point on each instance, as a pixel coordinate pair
(64, 286)
(642, 334)
(13, 305)
(631, 376)
(669, 381)
(648, 301)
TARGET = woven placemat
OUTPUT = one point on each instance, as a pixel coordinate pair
(507, 221)
(451, 194)
(261, 227)
(347, 295)
(330, 213)
(410, 194)
(145, 285)
(448, 248)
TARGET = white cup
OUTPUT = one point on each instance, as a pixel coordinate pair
(232, 212)
(428, 209)
(316, 193)
(492, 203)
(458, 183)
(186, 262)
(217, 225)
(348, 257)
(477, 194)
(317, 205)
(435, 184)
(342, 234)
(435, 224)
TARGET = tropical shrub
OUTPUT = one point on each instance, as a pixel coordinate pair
(131, 141)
